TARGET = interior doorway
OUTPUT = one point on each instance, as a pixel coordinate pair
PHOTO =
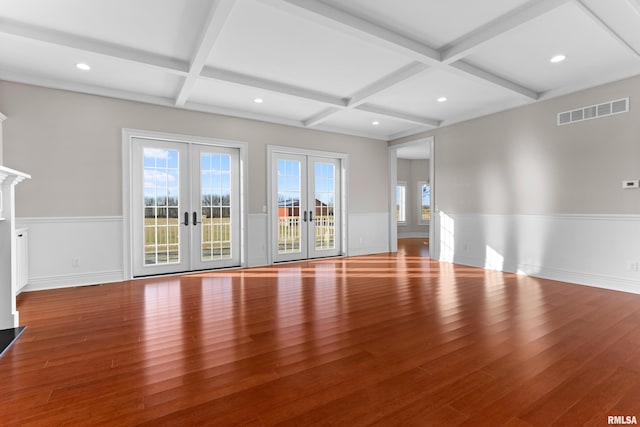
(412, 192)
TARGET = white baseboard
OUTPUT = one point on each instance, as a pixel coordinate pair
(413, 235)
(73, 280)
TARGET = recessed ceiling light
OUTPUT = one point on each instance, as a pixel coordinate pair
(258, 100)
(82, 66)
(558, 58)
(442, 99)
(375, 123)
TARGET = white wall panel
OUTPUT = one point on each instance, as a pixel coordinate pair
(594, 250)
(73, 251)
(257, 253)
(368, 233)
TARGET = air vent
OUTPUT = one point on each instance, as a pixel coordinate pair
(594, 111)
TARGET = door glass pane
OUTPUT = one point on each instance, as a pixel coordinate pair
(161, 206)
(325, 199)
(215, 205)
(289, 193)
(425, 202)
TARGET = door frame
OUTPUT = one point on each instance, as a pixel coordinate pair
(127, 179)
(434, 237)
(344, 167)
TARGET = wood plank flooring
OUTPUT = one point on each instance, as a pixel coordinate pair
(389, 339)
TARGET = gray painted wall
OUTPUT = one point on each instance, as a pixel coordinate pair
(71, 145)
(520, 162)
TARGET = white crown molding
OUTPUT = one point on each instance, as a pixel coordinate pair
(467, 44)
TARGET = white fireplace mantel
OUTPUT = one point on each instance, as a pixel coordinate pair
(9, 178)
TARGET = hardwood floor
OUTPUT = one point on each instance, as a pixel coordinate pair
(390, 339)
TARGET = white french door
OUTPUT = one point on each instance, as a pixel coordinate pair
(307, 219)
(185, 213)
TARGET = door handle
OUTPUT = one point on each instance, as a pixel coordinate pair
(304, 217)
(186, 218)
(195, 218)
(310, 215)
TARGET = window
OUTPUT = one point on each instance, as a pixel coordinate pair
(424, 203)
(401, 202)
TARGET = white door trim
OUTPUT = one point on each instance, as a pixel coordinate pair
(344, 196)
(127, 176)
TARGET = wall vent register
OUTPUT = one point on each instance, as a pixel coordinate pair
(594, 111)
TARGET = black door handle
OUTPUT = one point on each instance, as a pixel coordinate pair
(304, 217)
(186, 218)
(195, 218)
(310, 215)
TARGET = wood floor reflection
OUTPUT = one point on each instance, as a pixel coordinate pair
(389, 339)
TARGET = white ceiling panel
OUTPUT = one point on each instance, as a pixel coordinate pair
(324, 64)
(621, 16)
(361, 122)
(241, 98)
(164, 27)
(267, 42)
(419, 96)
(524, 53)
(56, 63)
(433, 22)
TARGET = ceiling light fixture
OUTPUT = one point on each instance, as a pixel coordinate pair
(558, 58)
(375, 123)
(258, 100)
(442, 99)
(82, 66)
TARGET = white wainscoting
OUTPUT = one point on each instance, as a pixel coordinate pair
(258, 247)
(368, 233)
(594, 250)
(73, 251)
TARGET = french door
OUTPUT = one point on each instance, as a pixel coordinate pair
(185, 213)
(307, 223)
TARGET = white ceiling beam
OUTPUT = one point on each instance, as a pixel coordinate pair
(602, 24)
(251, 81)
(482, 75)
(468, 43)
(326, 15)
(218, 16)
(243, 114)
(635, 5)
(98, 47)
(425, 121)
(320, 117)
(402, 75)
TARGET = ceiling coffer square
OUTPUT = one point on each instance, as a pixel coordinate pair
(608, 108)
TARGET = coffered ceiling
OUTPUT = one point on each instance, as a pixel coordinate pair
(375, 68)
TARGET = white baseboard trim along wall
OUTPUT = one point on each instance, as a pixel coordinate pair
(413, 235)
(593, 250)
